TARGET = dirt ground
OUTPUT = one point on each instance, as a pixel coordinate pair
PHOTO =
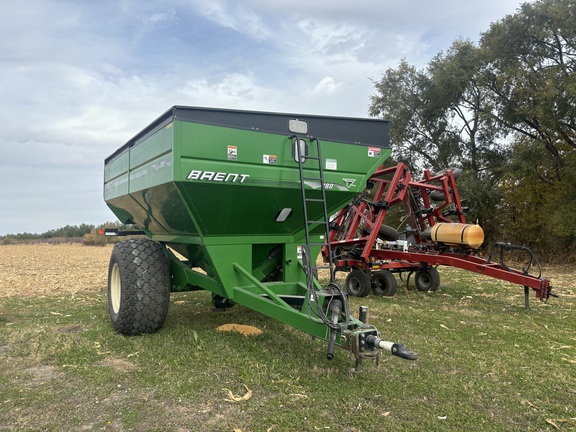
(65, 269)
(42, 269)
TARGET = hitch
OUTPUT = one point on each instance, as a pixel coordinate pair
(365, 343)
(395, 348)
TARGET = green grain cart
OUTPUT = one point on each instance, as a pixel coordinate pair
(245, 197)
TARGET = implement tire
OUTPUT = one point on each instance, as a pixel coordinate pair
(358, 283)
(384, 283)
(427, 279)
(387, 233)
(138, 286)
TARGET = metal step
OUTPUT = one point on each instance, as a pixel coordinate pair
(307, 222)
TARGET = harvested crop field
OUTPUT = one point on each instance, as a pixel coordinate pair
(44, 269)
(485, 363)
(47, 269)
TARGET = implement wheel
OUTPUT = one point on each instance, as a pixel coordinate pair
(138, 286)
(220, 302)
(358, 283)
(427, 279)
(387, 233)
(384, 283)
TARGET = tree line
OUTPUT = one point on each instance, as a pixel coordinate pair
(503, 110)
(84, 233)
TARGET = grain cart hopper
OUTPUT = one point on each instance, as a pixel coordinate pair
(245, 197)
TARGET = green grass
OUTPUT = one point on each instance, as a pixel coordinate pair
(485, 365)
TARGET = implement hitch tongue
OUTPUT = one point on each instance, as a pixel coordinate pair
(364, 342)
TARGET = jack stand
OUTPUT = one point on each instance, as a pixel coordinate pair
(362, 316)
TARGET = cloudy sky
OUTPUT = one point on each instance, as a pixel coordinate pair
(78, 78)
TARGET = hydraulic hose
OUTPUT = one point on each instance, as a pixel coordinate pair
(335, 308)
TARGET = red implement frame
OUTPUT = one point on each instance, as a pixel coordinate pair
(356, 228)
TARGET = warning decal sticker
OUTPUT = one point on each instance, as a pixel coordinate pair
(331, 164)
(232, 152)
(374, 152)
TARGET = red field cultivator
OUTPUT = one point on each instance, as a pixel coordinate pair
(436, 233)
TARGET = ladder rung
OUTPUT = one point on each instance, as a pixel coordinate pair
(310, 223)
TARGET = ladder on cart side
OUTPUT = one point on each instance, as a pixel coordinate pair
(313, 177)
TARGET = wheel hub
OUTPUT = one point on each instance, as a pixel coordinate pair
(115, 288)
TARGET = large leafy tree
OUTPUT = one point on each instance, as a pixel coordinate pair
(420, 131)
(531, 74)
(439, 115)
(505, 111)
(439, 121)
(458, 92)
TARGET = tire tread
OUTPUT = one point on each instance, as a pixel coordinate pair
(145, 286)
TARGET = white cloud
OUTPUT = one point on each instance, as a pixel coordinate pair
(78, 79)
(232, 91)
(232, 15)
(327, 85)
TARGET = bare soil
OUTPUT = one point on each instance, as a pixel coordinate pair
(64, 269)
(42, 269)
